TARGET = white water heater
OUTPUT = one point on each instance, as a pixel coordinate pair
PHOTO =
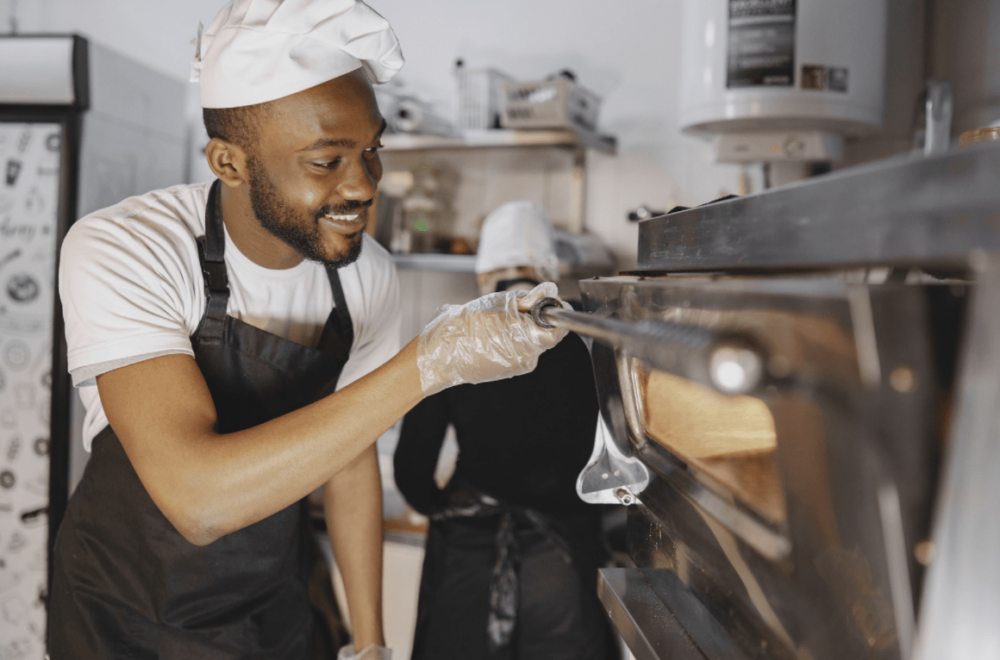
(779, 80)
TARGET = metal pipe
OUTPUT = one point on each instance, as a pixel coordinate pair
(733, 365)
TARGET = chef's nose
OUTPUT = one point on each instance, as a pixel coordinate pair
(359, 184)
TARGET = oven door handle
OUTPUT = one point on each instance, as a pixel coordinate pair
(732, 364)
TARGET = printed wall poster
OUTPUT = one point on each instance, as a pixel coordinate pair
(29, 193)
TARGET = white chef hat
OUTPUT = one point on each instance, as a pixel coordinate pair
(260, 50)
(518, 234)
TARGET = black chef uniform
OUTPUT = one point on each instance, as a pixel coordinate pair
(126, 583)
(510, 569)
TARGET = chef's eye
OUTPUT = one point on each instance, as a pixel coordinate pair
(373, 150)
(329, 164)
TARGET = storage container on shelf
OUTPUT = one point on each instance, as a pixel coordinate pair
(556, 103)
(479, 96)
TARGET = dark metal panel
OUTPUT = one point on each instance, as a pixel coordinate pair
(648, 627)
(910, 210)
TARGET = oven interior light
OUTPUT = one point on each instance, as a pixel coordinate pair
(735, 369)
(730, 375)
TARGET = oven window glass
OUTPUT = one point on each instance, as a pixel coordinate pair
(730, 438)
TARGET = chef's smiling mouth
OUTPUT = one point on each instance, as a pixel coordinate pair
(347, 224)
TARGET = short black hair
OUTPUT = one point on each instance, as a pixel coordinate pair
(240, 126)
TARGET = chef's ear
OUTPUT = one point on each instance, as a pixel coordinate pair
(228, 162)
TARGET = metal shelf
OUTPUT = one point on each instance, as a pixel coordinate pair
(466, 263)
(478, 139)
(442, 263)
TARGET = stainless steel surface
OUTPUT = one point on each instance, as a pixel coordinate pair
(442, 263)
(705, 493)
(646, 624)
(825, 577)
(940, 107)
(897, 559)
(730, 363)
(508, 137)
(814, 544)
(907, 211)
(960, 610)
(610, 470)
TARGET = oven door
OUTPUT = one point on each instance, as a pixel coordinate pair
(779, 522)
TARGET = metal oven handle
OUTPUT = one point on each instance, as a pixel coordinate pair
(731, 364)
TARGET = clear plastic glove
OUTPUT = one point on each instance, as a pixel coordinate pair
(372, 652)
(489, 338)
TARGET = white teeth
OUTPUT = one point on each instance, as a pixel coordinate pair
(342, 217)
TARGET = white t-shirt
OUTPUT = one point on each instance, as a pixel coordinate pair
(132, 289)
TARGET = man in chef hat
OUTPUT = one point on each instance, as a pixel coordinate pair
(220, 388)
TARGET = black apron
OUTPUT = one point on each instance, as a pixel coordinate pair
(126, 584)
(502, 582)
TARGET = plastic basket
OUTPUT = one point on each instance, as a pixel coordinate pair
(479, 98)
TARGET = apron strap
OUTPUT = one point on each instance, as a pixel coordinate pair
(211, 250)
(338, 333)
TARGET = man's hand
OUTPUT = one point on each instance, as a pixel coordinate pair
(490, 338)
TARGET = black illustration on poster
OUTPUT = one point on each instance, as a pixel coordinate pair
(16, 355)
(22, 288)
(7, 258)
(16, 543)
(53, 142)
(24, 141)
(35, 517)
(13, 170)
(13, 448)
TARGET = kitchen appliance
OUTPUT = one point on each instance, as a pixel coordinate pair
(81, 127)
(798, 400)
(783, 80)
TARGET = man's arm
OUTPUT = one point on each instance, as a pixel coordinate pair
(208, 484)
(353, 502)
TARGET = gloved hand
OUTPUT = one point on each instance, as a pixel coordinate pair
(372, 652)
(489, 338)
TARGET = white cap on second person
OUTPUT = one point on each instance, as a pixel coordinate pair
(518, 234)
(261, 50)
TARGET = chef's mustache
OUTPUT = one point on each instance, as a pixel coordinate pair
(345, 209)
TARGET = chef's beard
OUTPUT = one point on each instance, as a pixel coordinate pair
(275, 215)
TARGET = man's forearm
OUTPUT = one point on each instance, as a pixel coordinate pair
(209, 485)
(353, 501)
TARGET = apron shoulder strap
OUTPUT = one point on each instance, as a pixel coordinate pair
(211, 255)
(338, 333)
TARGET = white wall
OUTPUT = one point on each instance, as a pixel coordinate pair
(627, 51)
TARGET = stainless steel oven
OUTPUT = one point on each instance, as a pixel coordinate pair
(799, 395)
